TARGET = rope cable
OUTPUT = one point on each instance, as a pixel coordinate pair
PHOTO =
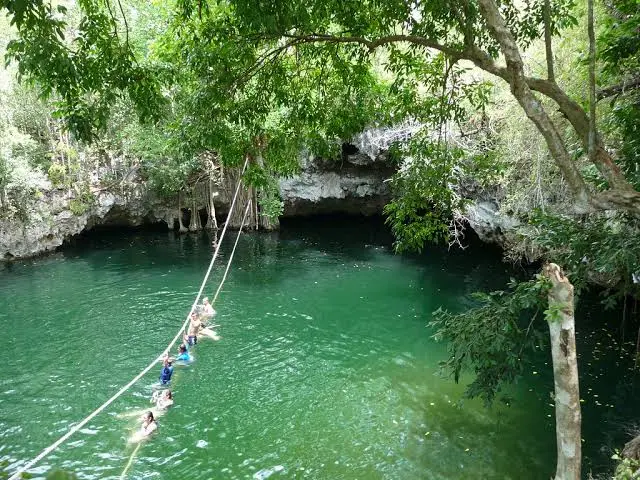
(224, 277)
(123, 475)
(17, 475)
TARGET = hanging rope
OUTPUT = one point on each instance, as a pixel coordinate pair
(123, 475)
(97, 411)
(224, 277)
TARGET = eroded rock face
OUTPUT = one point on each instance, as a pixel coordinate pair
(356, 184)
(52, 222)
(486, 220)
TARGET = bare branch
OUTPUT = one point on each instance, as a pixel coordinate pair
(547, 40)
(126, 25)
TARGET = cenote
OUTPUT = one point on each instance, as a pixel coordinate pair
(326, 368)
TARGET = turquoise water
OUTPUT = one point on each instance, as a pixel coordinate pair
(325, 369)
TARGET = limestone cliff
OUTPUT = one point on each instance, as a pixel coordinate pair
(52, 222)
(355, 184)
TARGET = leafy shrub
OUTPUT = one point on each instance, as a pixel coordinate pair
(57, 174)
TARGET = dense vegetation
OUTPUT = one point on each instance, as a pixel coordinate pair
(516, 107)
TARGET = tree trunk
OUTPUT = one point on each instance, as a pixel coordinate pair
(234, 218)
(212, 221)
(182, 228)
(193, 223)
(565, 374)
(592, 81)
(621, 196)
(264, 222)
(546, 15)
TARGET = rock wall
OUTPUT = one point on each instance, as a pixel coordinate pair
(51, 221)
(355, 184)
(489, 223)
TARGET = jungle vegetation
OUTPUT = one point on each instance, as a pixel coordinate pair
(532, 106)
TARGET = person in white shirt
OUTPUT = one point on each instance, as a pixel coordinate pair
(208, 308)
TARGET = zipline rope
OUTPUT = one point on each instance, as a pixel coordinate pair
(97, 411)
(123, 475)
(233, 251)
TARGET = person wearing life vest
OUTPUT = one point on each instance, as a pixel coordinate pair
(166, 372)
(183, 353)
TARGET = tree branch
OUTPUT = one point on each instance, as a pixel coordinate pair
(547, 40)
(622, 196)
(531, 106)
(620, 88)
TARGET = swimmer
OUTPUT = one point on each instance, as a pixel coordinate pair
(194, 328)
(208, 309)
(183, 353)
(163, 399)
(166, 372)
(149, 425)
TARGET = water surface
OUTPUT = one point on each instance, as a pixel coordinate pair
(326, 369)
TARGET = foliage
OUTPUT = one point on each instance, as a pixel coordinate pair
(494, 338)
(57, 173)
(424, 198)
(87, 70)
(82, 202)
(627, 468)
(619, 47)
(19, 181)
(595, 248)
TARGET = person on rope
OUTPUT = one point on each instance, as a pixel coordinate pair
(163, 399)
(208, 308)
(183, 353)
(194, 328)
(167, 371)
(207, 313)
(149, 424)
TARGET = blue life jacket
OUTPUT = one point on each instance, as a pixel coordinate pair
(165, 374)
(184, 357)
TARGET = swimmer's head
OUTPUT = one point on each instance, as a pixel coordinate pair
(168, 394)
(182, 348)
(148, 416)
(205, 300)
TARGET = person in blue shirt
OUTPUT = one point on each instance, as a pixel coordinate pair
(183, 353)
(166, 372)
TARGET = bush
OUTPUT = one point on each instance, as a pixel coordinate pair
(57, 174)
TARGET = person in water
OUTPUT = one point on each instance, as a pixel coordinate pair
(183, 353)
(194, 328)
(166, 372)
(149, 424)
(163, 399)
(208, 308)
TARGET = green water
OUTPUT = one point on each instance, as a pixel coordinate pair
(326, 369)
